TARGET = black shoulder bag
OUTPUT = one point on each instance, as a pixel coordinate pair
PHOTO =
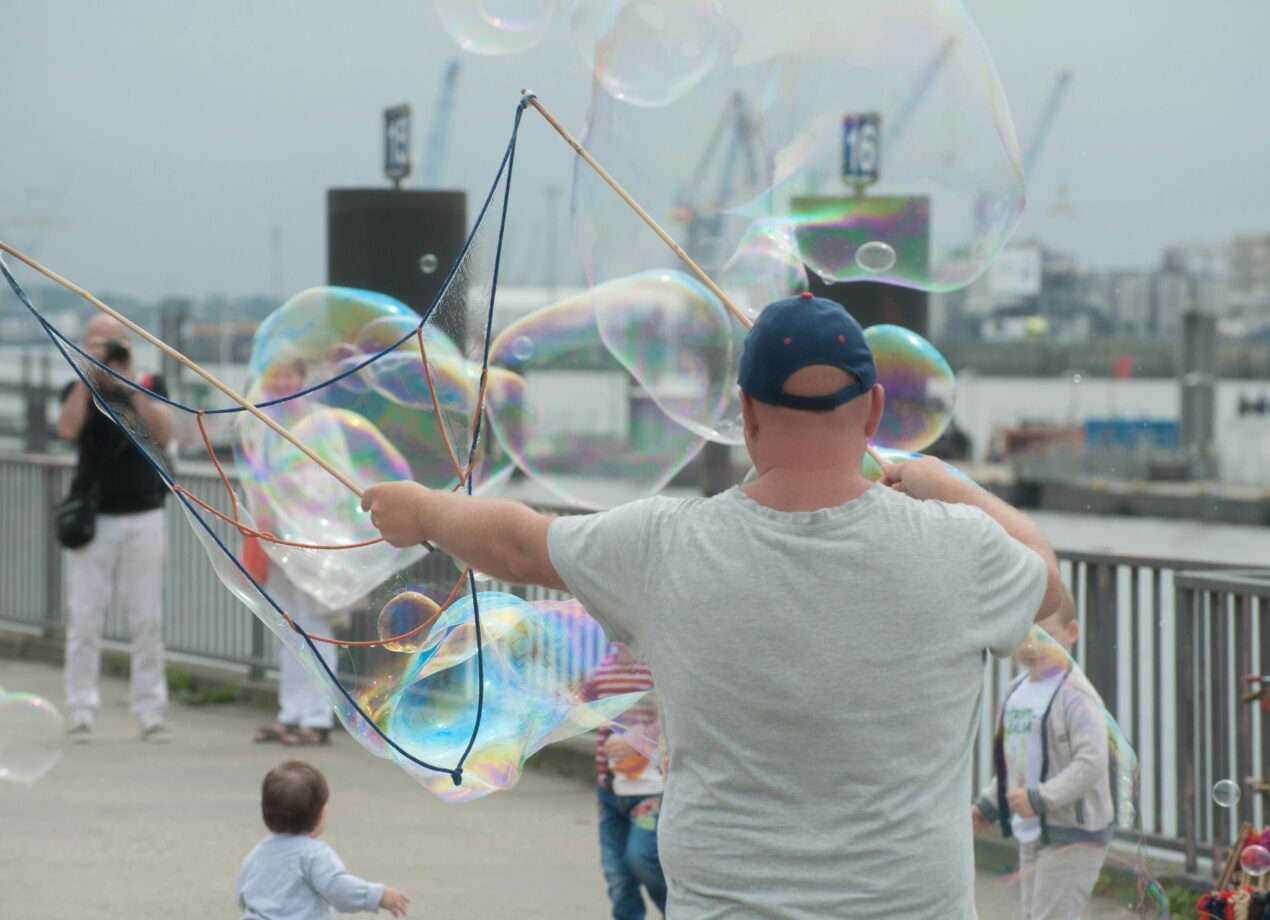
(76, 518)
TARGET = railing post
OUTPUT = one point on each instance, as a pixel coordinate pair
(1102, 625)
(1184, 749)
(54, 609)
(1243, 607)
(256, 670)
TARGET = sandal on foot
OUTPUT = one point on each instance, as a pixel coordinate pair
(305, 736)
(275, 732)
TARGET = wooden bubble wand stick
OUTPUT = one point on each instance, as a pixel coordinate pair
(186, 362)
(647, 218)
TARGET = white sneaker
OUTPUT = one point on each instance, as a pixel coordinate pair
(156, 733)
(81, 730)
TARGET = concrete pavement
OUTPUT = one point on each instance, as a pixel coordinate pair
(122, 829)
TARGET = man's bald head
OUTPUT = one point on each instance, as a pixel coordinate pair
(102, 328)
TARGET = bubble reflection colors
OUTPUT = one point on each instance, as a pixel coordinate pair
(405, 618)
(765, 268)
(872, 472)
(679, 343)
(649, 53)
(533, 691)
(495, 27)
(1226, 793)
(949, 189)
(1255, 860)
(570, 415)
(376, 424)
(31, 737)
(919, 385)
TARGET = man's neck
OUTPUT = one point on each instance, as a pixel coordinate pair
(795, 488)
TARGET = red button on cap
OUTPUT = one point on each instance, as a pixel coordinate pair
(789, 341)
(806, 295)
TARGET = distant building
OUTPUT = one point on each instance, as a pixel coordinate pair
(1250, 264)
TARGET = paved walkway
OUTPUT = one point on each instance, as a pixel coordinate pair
(121, 829)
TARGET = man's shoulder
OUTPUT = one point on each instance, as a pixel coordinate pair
(933, 510)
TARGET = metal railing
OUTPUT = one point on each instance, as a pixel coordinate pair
(1166, 642)
(1223, 635)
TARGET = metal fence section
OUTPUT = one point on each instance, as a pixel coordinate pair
(1223, 636)
(1165, 641)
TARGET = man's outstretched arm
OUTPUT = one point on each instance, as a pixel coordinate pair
(504, 539)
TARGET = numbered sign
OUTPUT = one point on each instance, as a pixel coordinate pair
(397, 142)
(861, 148)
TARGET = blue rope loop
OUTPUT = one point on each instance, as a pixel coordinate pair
(66, 347)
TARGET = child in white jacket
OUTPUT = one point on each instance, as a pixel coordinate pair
(1052, 788)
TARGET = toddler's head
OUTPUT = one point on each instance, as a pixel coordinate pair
(293, 799)
(1043, 657)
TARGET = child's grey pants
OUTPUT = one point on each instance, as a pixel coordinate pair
(1055, 881)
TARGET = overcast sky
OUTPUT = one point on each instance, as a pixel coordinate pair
(165, 141)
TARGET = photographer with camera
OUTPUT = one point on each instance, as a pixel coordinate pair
(113, 528)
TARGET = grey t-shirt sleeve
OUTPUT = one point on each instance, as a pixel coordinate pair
(1008, 583)
(344, 891)
(603, 560)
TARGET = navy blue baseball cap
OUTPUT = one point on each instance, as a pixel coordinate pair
(799, 332)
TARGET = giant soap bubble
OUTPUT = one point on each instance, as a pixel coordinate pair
(570, 415)
(764, 135)
(381, 421)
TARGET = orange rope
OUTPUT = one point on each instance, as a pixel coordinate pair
(454, 593)
(246, 531)
(436, 408)
(242, 528)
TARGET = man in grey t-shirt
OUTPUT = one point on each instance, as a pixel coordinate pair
(816, 641)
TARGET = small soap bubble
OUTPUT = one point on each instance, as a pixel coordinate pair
(1226, 793)
(875, 257)
(31, 737)
(522, 349)
(405, 618)
(495, 27)
(428, 263)
(1255, 860)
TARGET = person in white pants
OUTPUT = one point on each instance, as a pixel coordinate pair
(304, 713)
(126, 552)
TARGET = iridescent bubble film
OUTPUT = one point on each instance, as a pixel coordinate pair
(679, 343)
(31, 737)
(379, 423)
(650, 52)
(766, 267)
(877, 131)
(920, 388)
(572, 417)
(535, 667)
(404, 620)
(872, 472)
(494, 27)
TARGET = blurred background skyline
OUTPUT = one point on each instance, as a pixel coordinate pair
(159, 150)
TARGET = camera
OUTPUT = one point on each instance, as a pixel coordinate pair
(116, 352)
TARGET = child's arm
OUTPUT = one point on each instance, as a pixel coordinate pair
(1087, 731)
(987, 801)
(340, 888)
